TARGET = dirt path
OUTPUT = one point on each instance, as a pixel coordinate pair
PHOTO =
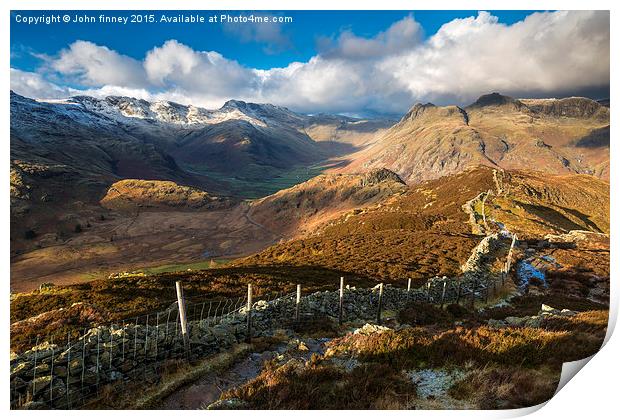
(210, 387)
(255, 223)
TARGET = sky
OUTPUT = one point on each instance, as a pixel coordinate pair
(350, 62)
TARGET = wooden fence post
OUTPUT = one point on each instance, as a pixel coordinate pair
(34, 369)
(111, 348)
(473, 293)
(249, 313)
(52, 371)
(146, 339)
(443, 294)
(83, 356)
(69, 368)
(182, 315)
(340, 306)
(428, 291)
(380, 303)
(157, 336)
(509, 258)
(297, 303)
(97, 365)
(408, 288)
(135, 340)
(458, 291)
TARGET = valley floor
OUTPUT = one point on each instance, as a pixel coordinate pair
(127, 243)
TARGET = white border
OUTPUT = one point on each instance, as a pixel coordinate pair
(592, 395)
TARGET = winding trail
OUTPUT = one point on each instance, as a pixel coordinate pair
(209, 388)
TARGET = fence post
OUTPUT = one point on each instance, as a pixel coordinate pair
(157, 336)
(97, 364)
(297, 302)
(181, 301)
(209, 314)
(51, 370)
(146, 338)
(167, 321)
(34, 369)
(202, 310)
(408, 288)
(135, 340)
(111, 347)
(69, 367)
(380, 303)
(124, 327)
(341, 303)
(443, 294)
(249, 313)
(458, 291)
(83, 358)
(428, 291)
(473, 293)
(509, 258)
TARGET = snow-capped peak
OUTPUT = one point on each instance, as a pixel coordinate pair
(125, 109)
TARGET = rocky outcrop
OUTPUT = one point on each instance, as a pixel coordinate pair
(497, 100)
(574, 107)
(377, 176)
(535, 321)
(140, 193)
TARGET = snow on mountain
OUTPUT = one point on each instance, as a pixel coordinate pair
(130, 110)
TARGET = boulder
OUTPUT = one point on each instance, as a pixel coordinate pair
(75, 366)
(368, 329)
(38, 385)
(21, 368)
(515, 321)
(60, 370)
(497, 323)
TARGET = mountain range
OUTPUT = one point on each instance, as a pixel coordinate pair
(93, 176)
(569, 135)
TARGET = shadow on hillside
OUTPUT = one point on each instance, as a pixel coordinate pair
(598, 137)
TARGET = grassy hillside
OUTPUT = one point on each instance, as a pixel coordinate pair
(418, 233)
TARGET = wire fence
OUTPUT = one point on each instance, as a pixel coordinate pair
(69, 372)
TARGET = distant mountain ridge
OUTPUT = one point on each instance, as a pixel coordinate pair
(68, 152)
(569, 135)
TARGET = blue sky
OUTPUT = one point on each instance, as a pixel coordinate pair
(304, 33)
(356, 62)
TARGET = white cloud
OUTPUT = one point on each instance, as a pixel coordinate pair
(33, 85)
(201, 72)
(94, 65)
(546, 53)
(400, 37)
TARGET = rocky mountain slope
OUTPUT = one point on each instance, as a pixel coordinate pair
(426, 231)
(65, 154)
(298, 210)
(569, 135)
